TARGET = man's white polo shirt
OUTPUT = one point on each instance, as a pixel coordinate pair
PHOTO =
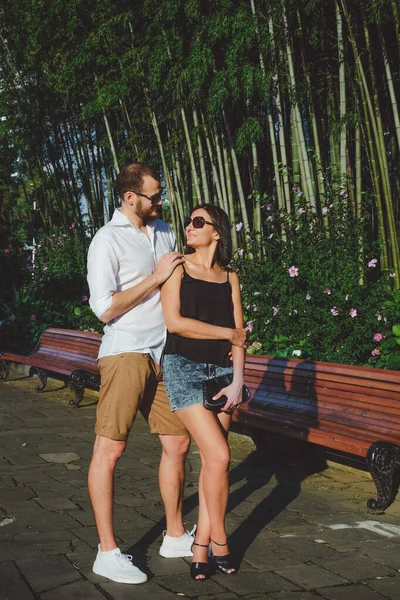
(121, 256)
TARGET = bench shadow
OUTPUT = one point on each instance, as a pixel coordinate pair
(292, 398)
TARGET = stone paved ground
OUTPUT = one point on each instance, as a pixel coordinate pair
(304, 533)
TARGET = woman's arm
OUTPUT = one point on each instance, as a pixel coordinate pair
(192, 328)
(235, 389)
(238, 354)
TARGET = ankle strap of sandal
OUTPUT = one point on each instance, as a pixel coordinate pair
(216, 543)
(201, 545)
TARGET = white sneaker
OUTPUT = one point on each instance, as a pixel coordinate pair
(118, 567)
(176, 547)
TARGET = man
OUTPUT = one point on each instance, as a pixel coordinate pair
(129, 259)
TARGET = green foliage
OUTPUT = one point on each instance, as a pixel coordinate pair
(302, 295)
(48, 289)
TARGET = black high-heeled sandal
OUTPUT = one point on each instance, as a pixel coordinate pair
(200, 568)
(224, 564)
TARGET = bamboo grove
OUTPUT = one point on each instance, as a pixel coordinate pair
(238, 102)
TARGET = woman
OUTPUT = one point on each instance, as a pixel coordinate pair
(203, 313)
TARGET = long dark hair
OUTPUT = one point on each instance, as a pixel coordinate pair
(223, 252)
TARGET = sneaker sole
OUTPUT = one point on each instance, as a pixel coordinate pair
(175, 553)
(140, 579)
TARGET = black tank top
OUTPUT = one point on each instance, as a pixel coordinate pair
(211, 303)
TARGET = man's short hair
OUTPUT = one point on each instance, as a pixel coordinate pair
(130, 177)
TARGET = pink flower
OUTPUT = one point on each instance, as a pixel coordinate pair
(293, 271)
(6, 251)
(334, 311)
(375, 352)
(378, 316)
(73, 225)
(255, 309)
(271, 218)
(240, 251)
(45, 268)
(294, 189)
(331, 206)
(353, 312)
(327, 291)
(239, 226)
(372, 263)
(276, 310)
(302, 211)
(378, 337)
(33, 317)
(325, 210)
(85, 298)
(249, 326)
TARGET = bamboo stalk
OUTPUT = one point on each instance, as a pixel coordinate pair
(342, 92)
(203, 171)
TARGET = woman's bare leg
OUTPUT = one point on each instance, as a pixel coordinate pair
(210, 436)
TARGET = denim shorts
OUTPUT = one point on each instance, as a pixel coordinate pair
(183, 379)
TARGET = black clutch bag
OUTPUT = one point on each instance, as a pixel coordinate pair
(211, 387)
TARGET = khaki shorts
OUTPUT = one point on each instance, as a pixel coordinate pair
(129, 382)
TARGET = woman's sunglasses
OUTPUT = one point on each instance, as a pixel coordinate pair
(197, 222)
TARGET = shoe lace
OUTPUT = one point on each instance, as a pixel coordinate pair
(124, 559)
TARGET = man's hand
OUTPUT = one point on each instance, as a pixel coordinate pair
(167, 265)
(238, 338)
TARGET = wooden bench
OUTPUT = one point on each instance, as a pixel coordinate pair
(64, 354)
(352, 409)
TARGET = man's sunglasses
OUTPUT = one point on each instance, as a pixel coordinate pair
(153, 199)
(197, 222)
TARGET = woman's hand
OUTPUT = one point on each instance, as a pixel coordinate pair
(234, 393)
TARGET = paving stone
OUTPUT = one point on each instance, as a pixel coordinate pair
(247, 582)
(355, 567)
(388, 587)
(311, 577)
(82, 590)
(56, 503)
(146, 591)
(351, 592)
(384, 552)
(269, 558)
(48, 574)
(304, 548)
(223, 596)
(295, 596)
(12, 586)
(60, 457)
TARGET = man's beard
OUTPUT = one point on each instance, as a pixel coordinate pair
(148, 215)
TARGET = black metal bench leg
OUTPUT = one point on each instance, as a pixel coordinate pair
(381, 462)
(5, 369)
(42, 374)
(77, 383)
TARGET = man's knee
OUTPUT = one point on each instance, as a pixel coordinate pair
(107, 451)
(175, 447)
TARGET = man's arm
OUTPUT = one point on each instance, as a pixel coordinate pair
(105, 301)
